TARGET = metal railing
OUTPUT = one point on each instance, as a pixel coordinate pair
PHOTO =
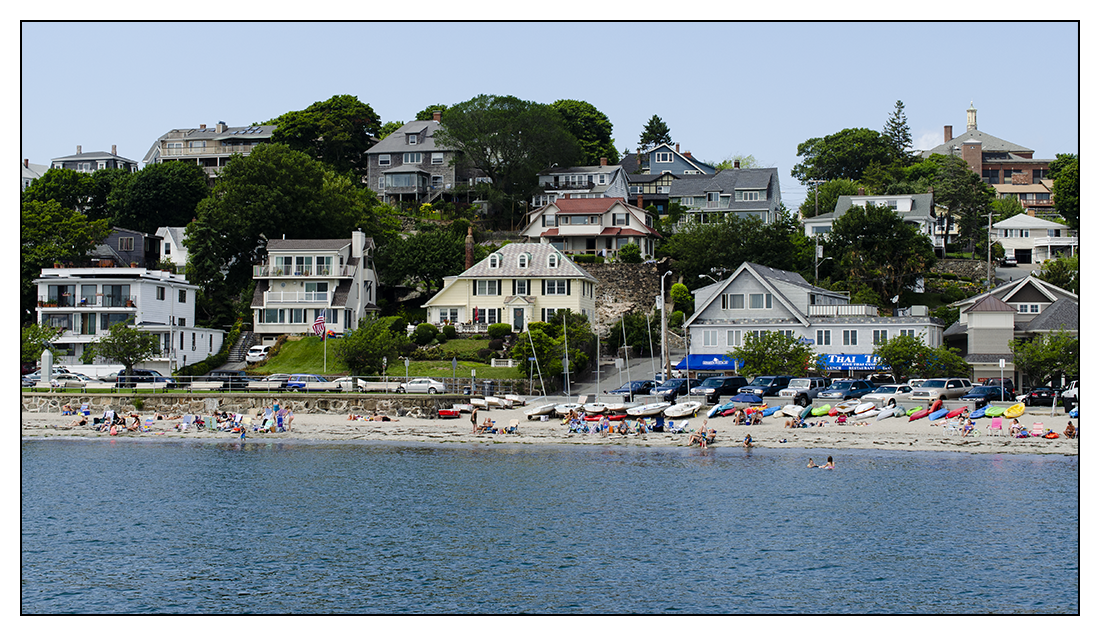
(332, 272)
(296, 297)
(98, 300)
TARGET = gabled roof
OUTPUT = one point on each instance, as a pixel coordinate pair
(1023, 220)
(1007, 290)
(397, 141)
(989, 144)
(991, 303)
(210, 133)
(175, 233)
(727, 182)
(537, 268)
(765, 275)
(699, 165)
(581, 170)
(32, 171)
(95, 155)
(1061, 314)
(276, 245)
(597, 205)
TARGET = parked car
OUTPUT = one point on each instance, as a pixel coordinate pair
(1069, 396)
(632, 388)
(804, 390)
(231, 380)
(273, 382)
(846, 389)
(880, 379)
(763, 385)
(942, 389)
(916, 382)
(421, 385)
(888, 395)
(718, 387)
(673, 387)
(1039, 396)
(983, 395)
(257, 353)
(31, 379)
(309, 382)
(349, 383)
(144, 377)
(70, 380)
(1009, 261)
(1008, 384)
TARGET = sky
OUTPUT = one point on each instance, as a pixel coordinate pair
(723, 88)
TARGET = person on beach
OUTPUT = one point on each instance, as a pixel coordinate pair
(1070, 432)
(748, 441)
(812, 464)
(699, 437)
(756, 419)
(80, 421)
(473, 418)
(1016, 428)
(829, 465)
(739, 417)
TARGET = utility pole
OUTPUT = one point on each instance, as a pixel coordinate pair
(989, 252)
(664, 328)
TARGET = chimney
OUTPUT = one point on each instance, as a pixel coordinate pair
(640, 201)
(78, 150)
(687, 154)
(677, 148)
(947, 136)
(437, 115)
(736, 164)
(202, 126)
(603, 161)
(220, 127)
(861, 192)
(26, 163)
(469, 247)
(971, 117)
(972, 155)
(114, 149)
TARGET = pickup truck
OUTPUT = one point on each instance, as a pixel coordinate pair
(1069, 396)
(942, 389)
(804, 390)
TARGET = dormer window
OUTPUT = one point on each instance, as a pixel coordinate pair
(524, 260)
(663, 157)
(494, 261)
(412, 139)
(552, 262)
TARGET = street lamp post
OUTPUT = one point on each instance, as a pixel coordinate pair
(664, 328)
(817, 258)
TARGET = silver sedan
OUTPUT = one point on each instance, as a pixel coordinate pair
(421, 385)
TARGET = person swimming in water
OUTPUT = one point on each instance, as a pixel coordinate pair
(812, 464)
(829, 463)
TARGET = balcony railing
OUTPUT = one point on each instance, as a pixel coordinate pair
(272, 297)
(207, 150)
(843, 310)
(88, 301)
(264, 271)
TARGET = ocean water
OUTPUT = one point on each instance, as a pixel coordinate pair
(216, 527)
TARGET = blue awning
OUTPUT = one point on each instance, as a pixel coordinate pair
(855, 362)
(707, 362)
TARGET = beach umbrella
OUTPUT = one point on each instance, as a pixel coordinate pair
(748, 398)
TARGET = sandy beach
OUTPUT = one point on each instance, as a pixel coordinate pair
(892, 433)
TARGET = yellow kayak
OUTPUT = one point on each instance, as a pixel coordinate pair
(1016, 410)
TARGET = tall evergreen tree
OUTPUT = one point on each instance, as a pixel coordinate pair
(656, 132)
(896, 132)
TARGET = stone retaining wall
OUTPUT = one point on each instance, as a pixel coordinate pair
(624, 288)
(964, 268)
(182, 404)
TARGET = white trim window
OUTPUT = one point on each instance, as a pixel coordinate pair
(602, 180)
(552, 261)
(384, 160)
(912, 333)
(412, 138)
(556, 287)
(448, 314)
(733, 301)
(746, 195)
(494, 261)
(851, 338)
(437, 181)
(1027, 309)
(521, 287)
(824, 338)
(437, 158)
(662, 157)
(710, 338)
(714, 199)
(412, 157)
(125, 243)
(687, 202)
(487, 288)
(878, 336)
(524, 261)
(733, 337)
(760, 301)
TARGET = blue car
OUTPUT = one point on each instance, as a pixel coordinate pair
(630, 389)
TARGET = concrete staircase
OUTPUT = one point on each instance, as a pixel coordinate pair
(237, 353)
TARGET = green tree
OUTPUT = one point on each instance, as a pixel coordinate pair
(1046, 356)
(161, 194)
(776, 353)
(824, 199)
(642, 332)
(1067, 192)
(964, 194)
(943, 362)
(362, 350)
(1065, 272)
(875, 247)
(508, 139)
(550, 344)
(897, 135)
(904, 354)
(1061, 160)
(842, 155)
(128, 345)
(1006, 208)
(71, 189)
(591, 128)
(34, 338)
(655, 133)
(682, 299)
(389, 128)
(423, 258)
(50, 233)
(744, 161)
(337, 131)
(630, 253)
(428, 113)
(271, 193)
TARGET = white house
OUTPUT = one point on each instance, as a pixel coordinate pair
(581, 182)
(756, 299)
(171, 245)
(592, 226)
(915, 209)
(301, 279)
(1030, 239)
(86, 301)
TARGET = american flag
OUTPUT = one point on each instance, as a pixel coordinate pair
(319, 324)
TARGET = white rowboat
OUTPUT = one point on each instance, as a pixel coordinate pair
(647, 410)
(683, 409)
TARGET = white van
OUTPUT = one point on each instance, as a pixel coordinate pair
(257, 353)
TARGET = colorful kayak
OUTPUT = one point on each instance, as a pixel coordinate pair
(597, 418)
(713, 410)
(863, 415)
(913, 410)
(994, 411)
(771, 410)
(863, 407)
(818, 411)
(890, 412)
(791, 410)
(833, 412)
(935, 406)
(807, 412)
(1016, 410)
(919, 414)
(957, 412)
(979, 413)
(1073, 413)
(847, 406)
(937, 414)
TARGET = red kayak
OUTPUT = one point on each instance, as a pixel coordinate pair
(919, 414)
(937, 405)
(957, 412)
(833, 412)
(448, 414)
(597, 418)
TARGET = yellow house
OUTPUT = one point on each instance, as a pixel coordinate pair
(517, 284)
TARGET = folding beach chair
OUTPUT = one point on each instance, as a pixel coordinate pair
(187, 419)
(85, 410)
(996, 427)
(148, 425)
(950, 428)
(1037, 429)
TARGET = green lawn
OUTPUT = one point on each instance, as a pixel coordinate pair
(306, 356)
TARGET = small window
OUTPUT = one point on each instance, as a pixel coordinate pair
(412, 139)
(521, 287)
(167, 249)
(878, 336)
(733, 338)
(908, 332)
(160, 293)
(183, 295)
(383, 160)
(824, 337)
(549, 220)
(850, 339)
(760, 301)
(524, 260)
(125, 243)
(437, 158)
(710, 338)
(663, 157)
(556, 288)
(494, 261)
(603, 179)
(413, 157)
(618, 219)
(552, 262)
